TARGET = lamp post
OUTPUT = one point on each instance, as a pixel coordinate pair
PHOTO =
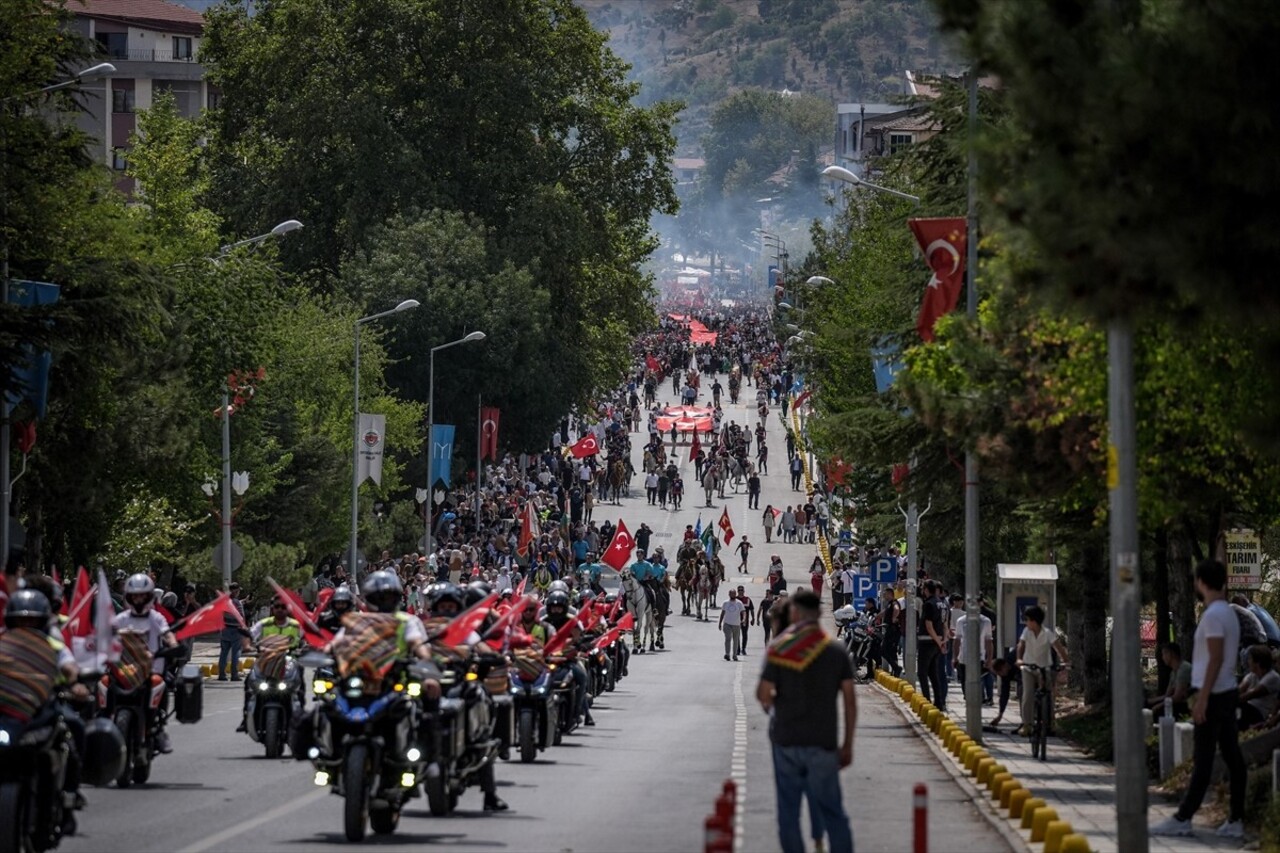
(431, 426)
(6, 408)
(406, 305)
(840, 173)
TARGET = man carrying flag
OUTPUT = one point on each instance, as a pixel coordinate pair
(586, 446)
(618, 554)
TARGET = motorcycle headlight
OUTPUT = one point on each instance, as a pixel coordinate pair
(282, 686)
(415, 689)
(4, 738)
(321, 687)
(264, 686)
(355, 687)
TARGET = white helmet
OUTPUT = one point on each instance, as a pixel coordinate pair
(139, 593)
(558, 586)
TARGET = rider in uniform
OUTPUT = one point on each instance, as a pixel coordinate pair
(142, 618)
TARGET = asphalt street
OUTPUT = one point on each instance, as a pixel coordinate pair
(644, 778)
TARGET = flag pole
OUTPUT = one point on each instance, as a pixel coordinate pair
(479, 454)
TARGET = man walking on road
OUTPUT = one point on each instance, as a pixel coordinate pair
(744, 548)
(797, 468)
(748, 614)
(1213, 678)
(803, 674)
(731, 616)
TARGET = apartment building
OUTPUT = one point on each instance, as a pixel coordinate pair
(153, 44)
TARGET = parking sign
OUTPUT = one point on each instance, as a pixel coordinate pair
(884, 569)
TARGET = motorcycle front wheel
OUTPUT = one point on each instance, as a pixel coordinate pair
(355, 791)
(124, 721)
(528, 741)
(437, 796)
(384, 821)
(14, 804)
(272, 737)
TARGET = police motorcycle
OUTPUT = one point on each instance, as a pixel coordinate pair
(362, 736)
(855, 628)
(460, 739)
(274, 694)
(38, 748)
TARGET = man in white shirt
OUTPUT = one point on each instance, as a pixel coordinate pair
(847, 582)
(1036, 647)
(986, 645)
(731, 623)
(1214, 712)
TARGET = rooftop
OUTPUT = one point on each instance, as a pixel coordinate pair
(151, 14)
(870, 109)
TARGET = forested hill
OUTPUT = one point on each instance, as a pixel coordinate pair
(700, 51)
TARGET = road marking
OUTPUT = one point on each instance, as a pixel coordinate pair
(248, 825)
(738, 767)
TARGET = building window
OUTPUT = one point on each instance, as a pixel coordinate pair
(116, 45)
(215, 98)
(121, 100)
(899, 141)
(181, 47)
(118, 161)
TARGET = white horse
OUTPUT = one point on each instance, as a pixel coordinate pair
(638, 605)
(713, 479)
(738, 470)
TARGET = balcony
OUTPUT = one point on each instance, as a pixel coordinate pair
(135, 54)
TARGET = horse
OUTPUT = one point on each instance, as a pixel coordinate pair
(640, 608)
(737, 469)
(704, 591)
(684, 583)
(660, 602)
(711, 480)
(617, 480)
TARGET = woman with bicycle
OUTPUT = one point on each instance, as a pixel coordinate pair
(1035, 658)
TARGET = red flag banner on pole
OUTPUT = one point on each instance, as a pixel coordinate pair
(694, 446)
(322, 601)
(618, 554)
(652, 363)
(726, 526)
(801, 399)
(79, 623)
(586, 446)
(510, 617)
(489, 432)
(311, 632)
(943, 244)
(458, 630)
(561, 637)
(627, 622)
(79, 593)
(208, 619)
(529, 530)
(608, 637)
(613, 611)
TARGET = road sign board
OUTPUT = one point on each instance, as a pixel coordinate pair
(237, 556)
(864, 587)
(884, 569)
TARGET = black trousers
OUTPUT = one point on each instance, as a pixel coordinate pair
(889, 651)
(928, 673)
(1217, 732)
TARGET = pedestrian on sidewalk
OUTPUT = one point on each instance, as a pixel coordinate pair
(847, 583)
(651, 487)
(748, 614)
(768, 521)
(804, 674)
(233, 637)
(930, 641)
(1036, 646)
(731, 614)
(817, 574)
(797, 468)
(986, 646)
(744, 548)
(890, 615)
(1214, 711)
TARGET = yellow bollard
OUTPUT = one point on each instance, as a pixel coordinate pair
(965, 751)
(974, 757)
(998, 780)
(930, 718)
(982, 772)
(1041, 822)
(1053, 835)
(1007, 790)
(991, 775)
(1029, 811)
(1074, 843)
(1017, 800)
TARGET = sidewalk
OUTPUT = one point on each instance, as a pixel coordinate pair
(1080, 789)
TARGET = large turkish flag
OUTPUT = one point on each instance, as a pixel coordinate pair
(618, 554)
(943, 244)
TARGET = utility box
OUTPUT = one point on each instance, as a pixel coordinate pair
(1018, 586)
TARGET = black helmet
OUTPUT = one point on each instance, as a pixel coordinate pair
(477, 591)
(439, 593)
(558, 599)
(342, 595)
(383, 591)
(610, 598)
(586, 596)
(103, 758)
(27, 608)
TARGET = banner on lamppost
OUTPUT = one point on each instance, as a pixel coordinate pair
(373, 438)
(442, 453)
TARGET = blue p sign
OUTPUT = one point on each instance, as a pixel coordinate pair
(864, 587)
(884, 569)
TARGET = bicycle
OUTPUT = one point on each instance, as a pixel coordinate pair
(1043, 704)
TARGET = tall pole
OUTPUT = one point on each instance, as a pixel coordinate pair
(972, 567)
(909, 602)
(479, 453)
(355, 463)
(226, 489)
(5, 412)
(1126, 671)
(431, 447)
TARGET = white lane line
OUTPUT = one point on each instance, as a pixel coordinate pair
(738, 767)
(253, 823)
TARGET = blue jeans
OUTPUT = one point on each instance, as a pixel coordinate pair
(813, 772)
(233, 648)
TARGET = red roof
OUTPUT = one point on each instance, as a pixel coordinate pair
(152, 14)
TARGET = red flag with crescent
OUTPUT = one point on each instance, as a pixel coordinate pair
(943, 243)
(529, 529)
(588, 445)
(489, 433)
(311, 632)
(208, 619)
(618, 554)
(726, 526)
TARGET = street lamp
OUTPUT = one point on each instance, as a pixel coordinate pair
(431, 424)
(406, 305)
(840, 173)
(102, 69)
(818, 280)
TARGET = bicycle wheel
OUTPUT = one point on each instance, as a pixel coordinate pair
(1042, 723)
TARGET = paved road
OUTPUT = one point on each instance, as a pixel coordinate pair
(643, 779)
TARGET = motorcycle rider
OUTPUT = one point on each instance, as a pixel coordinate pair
(140, 617)
(340, 604)
(556, 613)
(278, 624)
(445, 601)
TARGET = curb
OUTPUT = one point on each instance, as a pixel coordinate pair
(1003, 792)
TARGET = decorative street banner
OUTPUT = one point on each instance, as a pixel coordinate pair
(1244, 559)
(441, 453)
(943, 244)
(31, 369)
(373, 438)
(489, 433)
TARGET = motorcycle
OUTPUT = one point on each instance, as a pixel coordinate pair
(566, 693)
(461, 732)
(274, 686)
(600, 677)
(132, 697)
(858, 634)
(536, 710)
(364, 740)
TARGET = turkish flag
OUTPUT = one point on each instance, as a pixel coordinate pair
(695, 446)
(800, 400)
(943, 244)
(726, 526)
(627, 622)
(618, 554)
(322, 601)
(79, 593)
(311, 632)
(457, 631)
(489, 433)
(613, 609)
(79, 623)
(510, 617)
(652, 363)
(560, 638)
(900, 475)
(608, 637)
(208, 619)
(529, 529)
(838, 471)
(588, 445)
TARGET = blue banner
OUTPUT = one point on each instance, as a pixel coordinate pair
(32, 375)
(441, 453)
